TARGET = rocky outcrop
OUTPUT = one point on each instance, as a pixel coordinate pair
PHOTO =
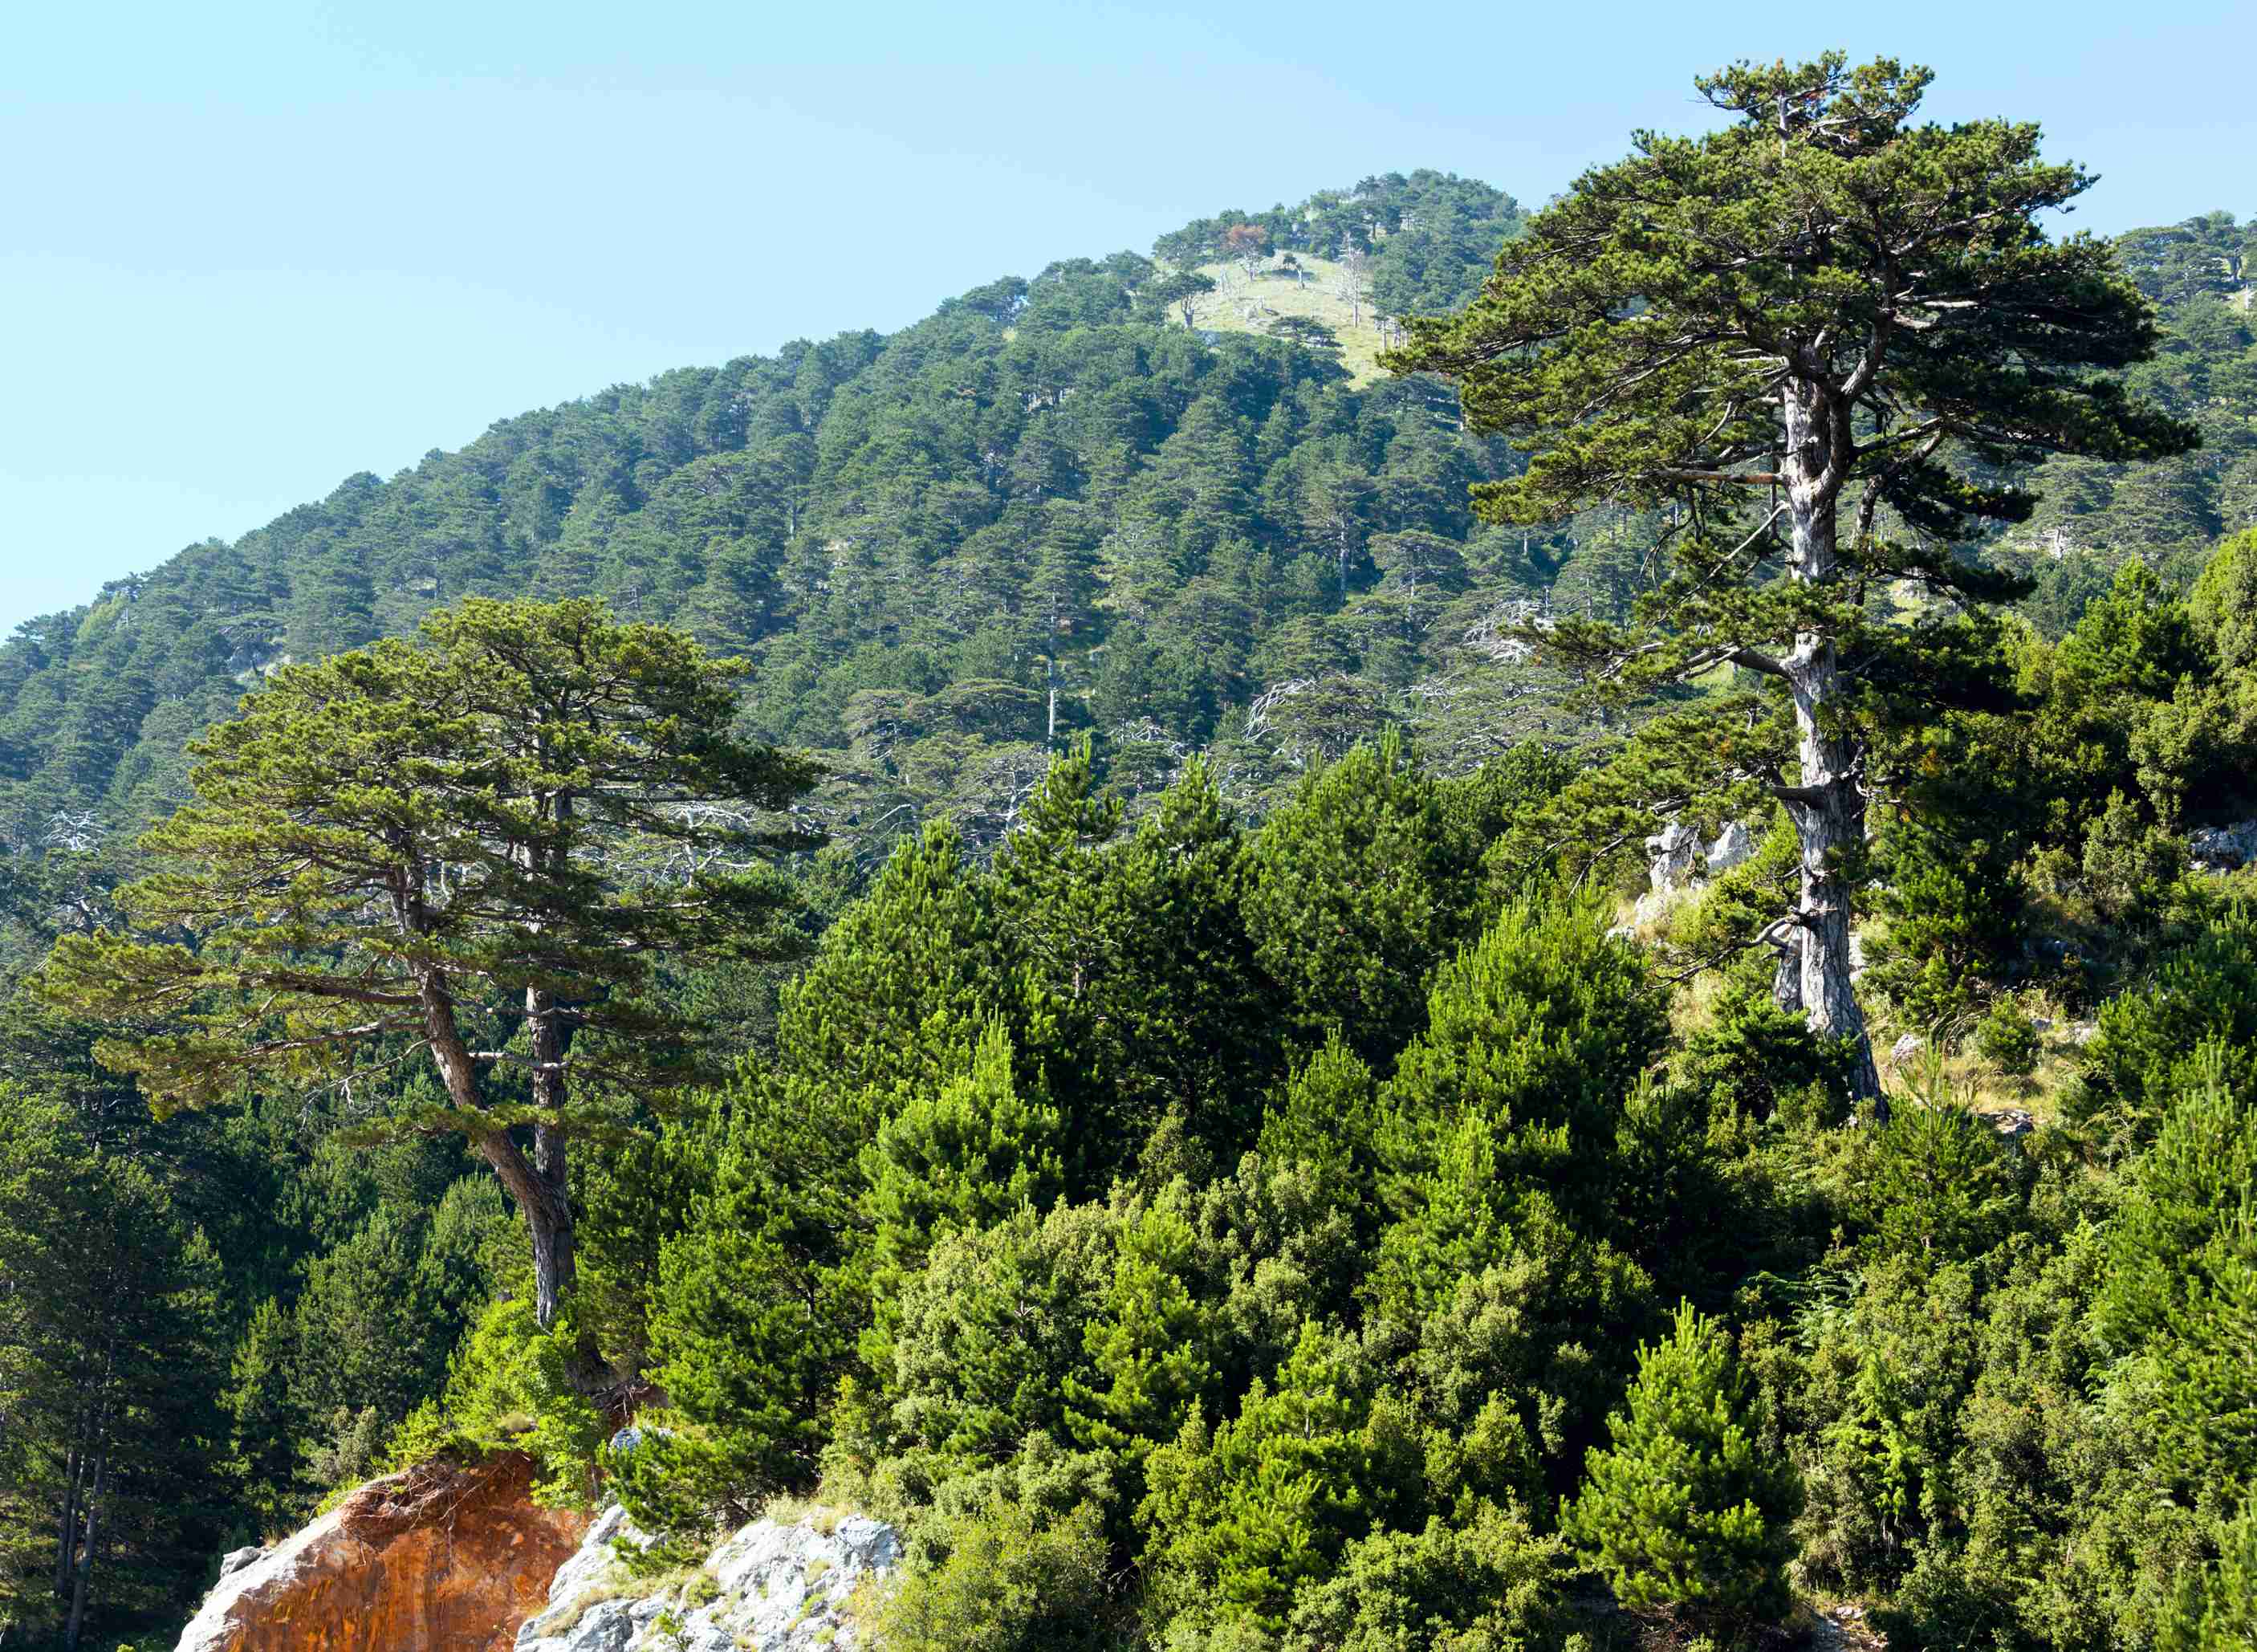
(1678, 864)
(257, 660)
(1735, 846)
(440, 1559)
(2224, 849)
(1670, 854)
(772, 1586)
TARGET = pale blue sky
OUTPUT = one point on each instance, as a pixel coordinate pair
(247, 250)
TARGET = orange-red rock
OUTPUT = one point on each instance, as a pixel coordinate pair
(439, 1559)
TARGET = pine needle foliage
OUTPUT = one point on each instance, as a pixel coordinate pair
(473, 851)
(1817, 339)
(966, 1158)
(1684, 1511)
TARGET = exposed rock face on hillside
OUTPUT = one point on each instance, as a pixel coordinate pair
(769, 1588)
(1679, 865)
(439, 1559)
(2223, 848)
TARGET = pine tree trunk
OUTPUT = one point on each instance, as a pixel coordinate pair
(547, 1040)
(538, 1186)
(1828, 802)
(1829, 820)
(556, 1262)
(85, 1578)
(538, 1192)
(1786, 971)
(547, 1218)
(66, 1527)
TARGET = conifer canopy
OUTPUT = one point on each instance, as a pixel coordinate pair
(1822, 308)
(474, 850)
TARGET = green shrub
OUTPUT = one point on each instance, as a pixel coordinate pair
(965, 1157)
(993, 1329)
(2223, 606)
(2129, 865)
(1755, 1056)
(1954, 912)
(1507, 1372)
(754, 1319)
(2145, 1054)
(2008, 1038)
(1239, 1518)
(1543, 1019)
(1940, 1184)
(1507, 1105)
(1050, 1480)
(1152, 1348)
(1007, 1582)
(507, 1388)
(1683, 1511)
(2214, 1608)
(1945, 1602)
(1489, 1586)
(2182, 1290)
(1327, 1117)
(1361, 883)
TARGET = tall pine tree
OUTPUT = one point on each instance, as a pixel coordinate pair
(1823, 310)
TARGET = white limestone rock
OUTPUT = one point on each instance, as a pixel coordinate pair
(773, 1588)
(1670, 854)
(1679, 866)
(2223, 848)
(1735, 846)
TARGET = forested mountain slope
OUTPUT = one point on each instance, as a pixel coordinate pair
(1049, 507)
(1258, 1204)
(915, 536)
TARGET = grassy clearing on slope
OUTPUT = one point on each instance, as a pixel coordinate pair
(1956, 1070)
(1274, 289)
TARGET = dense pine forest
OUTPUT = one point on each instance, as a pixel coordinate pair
(1201, 539)
(1180, 929)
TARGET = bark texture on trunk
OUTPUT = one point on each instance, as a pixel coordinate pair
(547, 1218)
(548, 1213)
(66, 1526)
(1828, 807)
(547, 1039)
(554, 1260)
(85, 1576)
(1786, 942)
